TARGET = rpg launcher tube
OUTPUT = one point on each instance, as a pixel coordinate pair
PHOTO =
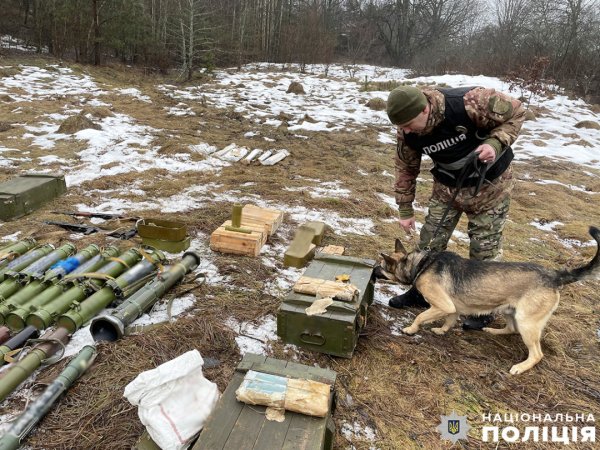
(38, 268)
(25, 260)
(21, 427)
(111, 327)
(35, 270)
(114, 289)
(17, 341)
(47, 313)
(15, 249)
(62, 268)
(37, 286)
(16, 319)
(21, 370)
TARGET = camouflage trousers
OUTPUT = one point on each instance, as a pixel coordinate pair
(486, 213)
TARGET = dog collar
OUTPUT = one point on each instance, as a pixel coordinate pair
(423, 264)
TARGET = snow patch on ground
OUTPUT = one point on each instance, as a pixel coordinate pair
(254, 337)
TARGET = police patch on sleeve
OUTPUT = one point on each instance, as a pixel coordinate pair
(500, 106)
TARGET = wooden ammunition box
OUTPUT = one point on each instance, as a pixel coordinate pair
(26, 193)
(336, 331)
(234, 425)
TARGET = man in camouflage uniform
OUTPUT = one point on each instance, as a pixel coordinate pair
(448, 125)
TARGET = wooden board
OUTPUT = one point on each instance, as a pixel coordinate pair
(333, 250)
(271, 218)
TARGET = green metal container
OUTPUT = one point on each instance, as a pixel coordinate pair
(234, 425)
(168, 246)
(27, 193)
(336, 331)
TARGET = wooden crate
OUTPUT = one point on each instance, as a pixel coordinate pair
(249, 244)
(271, 218)
(262, 221)
(233, 425)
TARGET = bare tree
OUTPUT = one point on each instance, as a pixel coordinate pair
(191, 30)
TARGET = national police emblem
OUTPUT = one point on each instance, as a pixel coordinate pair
(454, 427)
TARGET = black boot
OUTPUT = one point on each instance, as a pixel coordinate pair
(412, 297)
(477, 322)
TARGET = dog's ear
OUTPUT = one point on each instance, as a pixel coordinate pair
(388, 259)
(399, 248)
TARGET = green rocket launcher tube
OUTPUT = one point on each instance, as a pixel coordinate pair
(111, 327)
(35, 270)
(36, 286)
(17, 341)
(47, 313)
(25, 260)
(53, 340)
(71, 263)
(16, 319)
(38, 409)
(15, 249)
(73, 319)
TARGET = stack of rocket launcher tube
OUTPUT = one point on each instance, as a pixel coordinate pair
(42, 286)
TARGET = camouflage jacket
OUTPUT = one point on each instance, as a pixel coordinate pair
(480, 105)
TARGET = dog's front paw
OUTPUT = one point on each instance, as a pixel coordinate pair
(439, 331)
(410, 330)
(518, 369)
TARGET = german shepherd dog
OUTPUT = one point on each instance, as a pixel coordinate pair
(525, 293)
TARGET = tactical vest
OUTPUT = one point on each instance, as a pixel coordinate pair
(451, 142)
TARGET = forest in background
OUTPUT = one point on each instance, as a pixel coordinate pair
(553, 40)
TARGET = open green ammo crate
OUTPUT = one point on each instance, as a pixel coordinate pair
(234, 425)
(336, 331)
(26, 193)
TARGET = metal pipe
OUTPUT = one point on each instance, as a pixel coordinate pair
(21, 427)
(73, 319)
(21, 370)
(111, 327)
(46, 314)
(16, 319)
(17, 341)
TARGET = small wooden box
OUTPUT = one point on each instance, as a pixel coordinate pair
(234, 425)
(222, 240)
(262, 222)
(271, 218)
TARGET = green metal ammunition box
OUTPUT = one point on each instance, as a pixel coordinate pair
(26, 193)
(234, 425)
(168, 246)
(166, 230)
(336, 331)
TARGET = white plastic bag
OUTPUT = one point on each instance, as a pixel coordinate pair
(174, 400)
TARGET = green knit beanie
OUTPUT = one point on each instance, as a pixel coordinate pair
(404, 104)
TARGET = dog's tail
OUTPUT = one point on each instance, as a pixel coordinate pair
(590, 271)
